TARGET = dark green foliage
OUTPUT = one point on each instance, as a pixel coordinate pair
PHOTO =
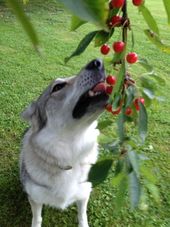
(149, 19)
(167, 8)
(87, 10)
(19, 12)
(82, 45)
(99, 171)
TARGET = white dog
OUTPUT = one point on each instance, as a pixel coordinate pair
(60, 146)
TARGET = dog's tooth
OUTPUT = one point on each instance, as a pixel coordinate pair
(91, 93)
(97, 93)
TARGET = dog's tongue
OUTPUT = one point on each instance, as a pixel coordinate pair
(100, 87)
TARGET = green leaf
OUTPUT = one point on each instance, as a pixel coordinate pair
(129, 167)
(19, 12)
(149, 93)
(118, 178)
(157, 41)
(116, 101)
(87, 10)
(143, 122)
(103, 124)
(119, 166)
(167, 8)
(121, 194)
(130, 93)
(148, 174)
(146, 97)
(149, 19)
(120, 79)
(104, 139)
(108, 62)
(153, 190)
(134, 160)
(82, 45)
(99, 171)
(113, 147)
(101, 38)
(144, 63)
(143, 200)
(76, 22)
(113, 12)
(160, 80)
(121, 128)
(148, 82)
(118, 57)
(25, 1)
(134, 189)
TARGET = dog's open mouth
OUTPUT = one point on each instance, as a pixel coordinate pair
(97, 90)
(95, 96)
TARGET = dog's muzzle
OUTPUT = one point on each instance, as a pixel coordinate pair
(92, 81)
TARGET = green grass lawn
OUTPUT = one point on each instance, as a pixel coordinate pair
(23, 75)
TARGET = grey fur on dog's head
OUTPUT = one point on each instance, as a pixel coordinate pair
(63, 96)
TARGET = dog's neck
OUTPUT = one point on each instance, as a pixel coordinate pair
(70, 131)
(68, 146)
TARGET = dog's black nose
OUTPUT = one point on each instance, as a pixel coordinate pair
(95, 64)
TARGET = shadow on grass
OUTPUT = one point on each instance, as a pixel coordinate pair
(15, 210)
(13, 201)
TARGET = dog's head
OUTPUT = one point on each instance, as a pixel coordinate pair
(70, 101)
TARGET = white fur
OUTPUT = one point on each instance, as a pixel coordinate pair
(77, 149)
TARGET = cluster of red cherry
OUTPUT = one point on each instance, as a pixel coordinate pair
(119, 47)
(117, 20)
(111, 81)
(120, 3)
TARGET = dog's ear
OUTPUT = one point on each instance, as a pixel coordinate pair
(29, 112)
(35, 116)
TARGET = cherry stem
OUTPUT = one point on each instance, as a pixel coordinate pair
(124, 38)
(125, 18)
(124, 34)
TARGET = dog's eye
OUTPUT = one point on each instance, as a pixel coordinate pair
(58, 87)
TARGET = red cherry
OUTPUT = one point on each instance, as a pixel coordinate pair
(116, 111)
(109, 90)
(111, 80)
(118, 47)
(131, 57)
(108, 107)
(136, 103)
(117, 3)
(137, 2)
(116, 21)
(128, 111)
(105, 49)
(142, 100)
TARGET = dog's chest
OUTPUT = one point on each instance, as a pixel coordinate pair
(78, 153)
(67, 149)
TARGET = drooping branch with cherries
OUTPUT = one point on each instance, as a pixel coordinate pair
(119, 48)
(128, 101)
